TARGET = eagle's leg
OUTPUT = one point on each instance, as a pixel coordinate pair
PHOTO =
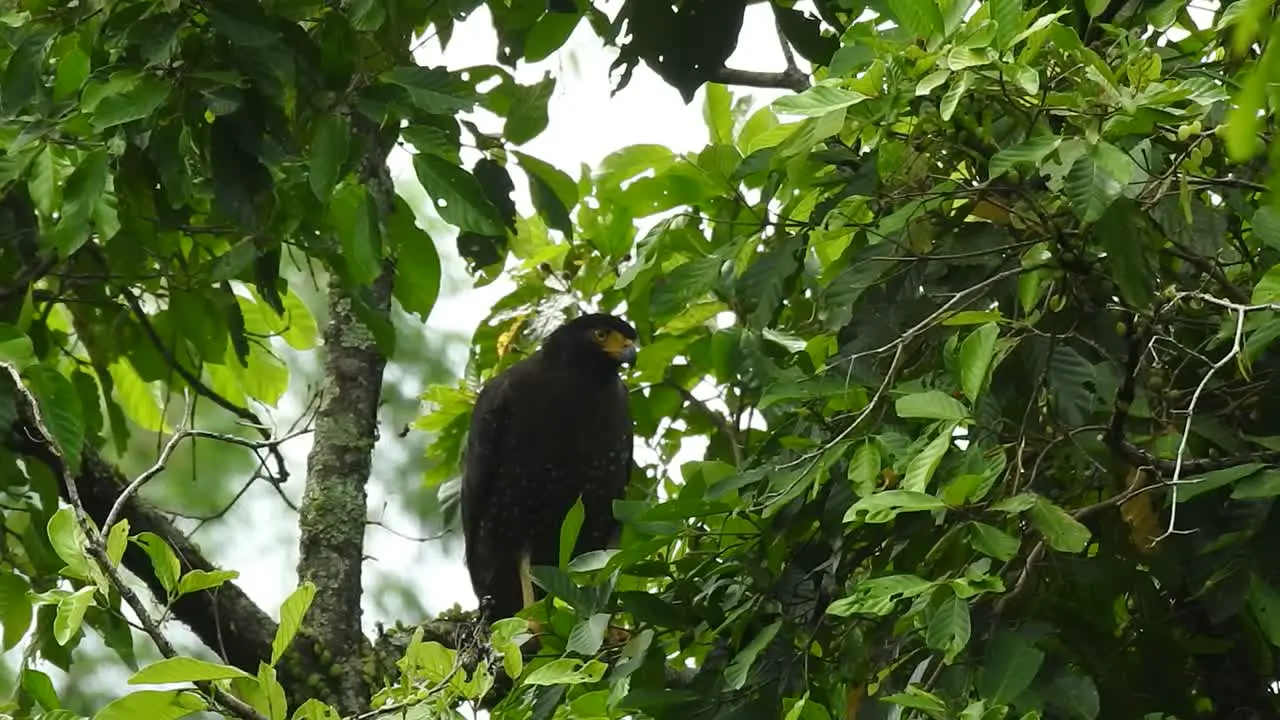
(526, 591)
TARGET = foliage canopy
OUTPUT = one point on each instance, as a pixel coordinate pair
(987, 313)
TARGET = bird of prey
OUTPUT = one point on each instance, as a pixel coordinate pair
(552, 427)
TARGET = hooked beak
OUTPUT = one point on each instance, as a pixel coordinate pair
(626, 353)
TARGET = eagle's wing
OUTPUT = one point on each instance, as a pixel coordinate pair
(482, 463)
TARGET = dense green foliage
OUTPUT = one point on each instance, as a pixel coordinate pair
(987, 312)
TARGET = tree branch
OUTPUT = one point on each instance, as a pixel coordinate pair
(790, 79)
(333, 513)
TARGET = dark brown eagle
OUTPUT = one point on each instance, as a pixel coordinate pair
(553, 427)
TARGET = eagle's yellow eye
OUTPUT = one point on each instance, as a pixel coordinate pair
(600, 335)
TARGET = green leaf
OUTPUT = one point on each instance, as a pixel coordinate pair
(80, 195)
(918, 699)
(931, 405)
(1267, 291)
(962, 58)
(117, 541)
(591, 561)
(1031, 151)
(588, 635)
(817, 101)
(993, 541)
(949, 628)
(1007, 15)
(1011, 663)
(1073, 697)
(329, 150)
(549, 35)
(717, 113)
(23, 73)
(1122, 230)
(153, 705)
(15, 608)
(313, 709)
(1097, 178)
(878, 595)
(457, 196)
(885, 506)
(951, 99)
(1193, 487)
(1264, 605)
(435, 91)
(43, 181)
(197, 580)
(60, 408)
(163, 559)
(527, 117)
(352, 215)
(976, 353)
(73, 69)
(864, 469)
(1016, 504)
(69, 542)
(921, 18)
(1244, 116)
(921, 468)
(1061, 531)
(417, 268)
(1266, 226)
(184, 669)
(553, 192)
(565, 671)
(932, 81)
(15, 347)
(736, 674)
(569, 529)
(506, 636)
(40, 687)
(273, 703)
(292, 612)
(139, 101)
(1263, 485)
(70, 614)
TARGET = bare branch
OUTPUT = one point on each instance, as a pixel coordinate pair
(172, 445)
(1237, 345)
(793, 80)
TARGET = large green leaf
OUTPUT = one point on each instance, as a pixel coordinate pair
(457, 196)
(292, 612)
(1097, 178)
(153, 705)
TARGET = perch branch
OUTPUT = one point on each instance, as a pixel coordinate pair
(794, 80)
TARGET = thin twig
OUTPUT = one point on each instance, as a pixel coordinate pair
(1237, 345)
(898, 346)
(172, 445)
